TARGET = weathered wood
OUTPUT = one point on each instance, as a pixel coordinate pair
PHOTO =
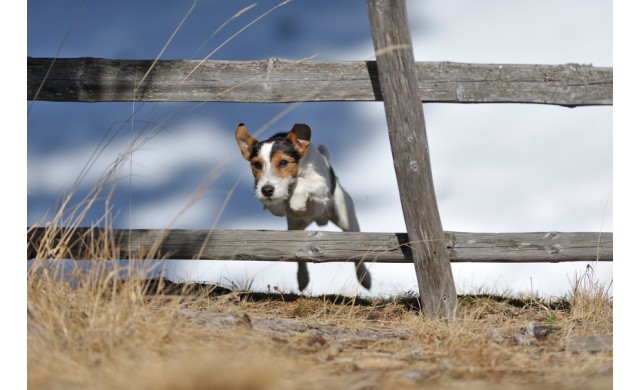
(317, 247)
(275, 80)
(410, 149)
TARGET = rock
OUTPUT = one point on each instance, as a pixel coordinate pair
(315, 341)
(522, 339)
(531, 332)
(538, 330)
(590, 344)
(495, 336)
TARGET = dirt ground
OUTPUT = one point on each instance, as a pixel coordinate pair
(234, 340)
(373, 358)
(519, 343)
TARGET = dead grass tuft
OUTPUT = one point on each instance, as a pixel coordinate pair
(591, 306)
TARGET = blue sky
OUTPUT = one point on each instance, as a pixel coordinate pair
(497, 168)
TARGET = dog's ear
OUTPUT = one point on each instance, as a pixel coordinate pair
(300, 137)
(245, 141)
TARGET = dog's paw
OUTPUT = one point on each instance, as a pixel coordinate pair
(298, 204)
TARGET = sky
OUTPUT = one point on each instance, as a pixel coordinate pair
(496, 167)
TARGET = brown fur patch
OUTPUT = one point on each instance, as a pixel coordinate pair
(257, 172)
(300, 139)
(245, 141)
(289, 170)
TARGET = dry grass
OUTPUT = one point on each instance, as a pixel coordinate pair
(102, 332)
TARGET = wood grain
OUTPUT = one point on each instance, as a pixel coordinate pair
(315, 246)
(408, 137)
(281, 81)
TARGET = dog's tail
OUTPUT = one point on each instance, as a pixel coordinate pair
(325, 152)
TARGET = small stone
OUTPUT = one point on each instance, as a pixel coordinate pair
(537, 330)
(495, 336)
(590, 344)
(316, 341)
(522, 339)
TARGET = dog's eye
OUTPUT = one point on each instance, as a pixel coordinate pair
(283, 163)
(257, 165)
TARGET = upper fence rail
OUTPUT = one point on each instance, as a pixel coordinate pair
(283, 81)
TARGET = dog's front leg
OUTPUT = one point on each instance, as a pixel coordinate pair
(303, 272)
(310, 196)
(298, 201)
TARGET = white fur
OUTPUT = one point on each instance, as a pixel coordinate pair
(276, 203)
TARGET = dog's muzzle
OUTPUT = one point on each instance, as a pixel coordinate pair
(267, 190)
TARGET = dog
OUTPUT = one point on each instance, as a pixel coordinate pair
(294, 179)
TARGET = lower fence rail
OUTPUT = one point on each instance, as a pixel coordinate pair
(312, 246)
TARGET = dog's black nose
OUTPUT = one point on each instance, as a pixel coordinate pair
(267, 190)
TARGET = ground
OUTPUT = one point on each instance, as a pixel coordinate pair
(165, 336)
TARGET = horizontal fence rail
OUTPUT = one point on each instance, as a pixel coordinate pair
(313, 246)
(283, 81)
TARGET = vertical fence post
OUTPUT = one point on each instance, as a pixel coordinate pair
(408, 136)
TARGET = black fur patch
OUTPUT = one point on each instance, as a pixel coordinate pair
(333, 180)
(280, 144)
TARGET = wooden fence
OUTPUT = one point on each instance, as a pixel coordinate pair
(394, 78)
(281, 81)
(317, 246)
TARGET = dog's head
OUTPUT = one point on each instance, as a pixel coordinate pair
(275, 161)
